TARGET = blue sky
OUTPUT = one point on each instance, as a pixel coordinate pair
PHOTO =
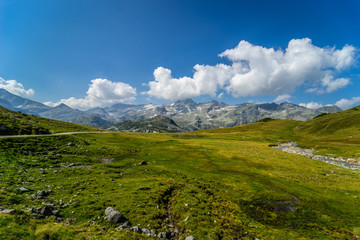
(88, 53)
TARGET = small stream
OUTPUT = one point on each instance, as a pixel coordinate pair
(291, 147)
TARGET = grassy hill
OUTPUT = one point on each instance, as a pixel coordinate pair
(17, 123)
(336, 133)
(214, 184)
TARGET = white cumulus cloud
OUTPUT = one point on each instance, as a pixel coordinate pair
(206, 81)
(311, 105)
(348, 103)
(257, 71)
(16, 88)
(101, 93)
(282, 98)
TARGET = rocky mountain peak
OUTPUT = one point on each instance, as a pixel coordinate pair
(187, 102)
(62, 106)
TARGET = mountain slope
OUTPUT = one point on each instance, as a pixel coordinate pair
(336, 134)
(22, 103)
(16, 123)
(155, 124)
(62, 112)
(346, 122)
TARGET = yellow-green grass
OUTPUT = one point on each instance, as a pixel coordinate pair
(337, 133)
(218, 184)
(17, 123)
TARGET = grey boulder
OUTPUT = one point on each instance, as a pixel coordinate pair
(113, 215)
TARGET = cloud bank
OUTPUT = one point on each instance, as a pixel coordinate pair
(311, 105)
(16, 88)
(259, 71)
(101, 93)
(348, 103)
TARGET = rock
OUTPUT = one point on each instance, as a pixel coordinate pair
(136, 229)
(22, 189)
(113, 215)
(8, 211)
(46, 211)
(70, 144)
(56, 213)
(69, 221)
(43, 172)
(42, 193)
(126, 225)
(146, 231)
(162, 235)
(284, 209)
(142, 163)
(189, 238)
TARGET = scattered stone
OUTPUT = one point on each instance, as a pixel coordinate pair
(58, 155)
(126, 225)
(46, 211)
(42, 193)
(70, 144)
(26, 152)
(142, 163)
(189, 238)
(162, 235)
(284, 209)
(69, 221)
(146, 231)
(43, 172)
(8, 211)
(113, 215)
(55, 213)
(103, 229)
(22, 189)
(136, 229)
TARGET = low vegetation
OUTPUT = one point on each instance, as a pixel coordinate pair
(212, 184)
(17, 123)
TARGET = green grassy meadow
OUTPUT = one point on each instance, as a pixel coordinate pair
(17, 123)
(211, 184)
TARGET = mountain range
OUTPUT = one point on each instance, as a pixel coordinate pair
(186, 114)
